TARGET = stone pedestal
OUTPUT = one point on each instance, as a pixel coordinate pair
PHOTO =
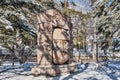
(55, 70)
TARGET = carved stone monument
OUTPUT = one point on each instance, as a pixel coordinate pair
(54, 39)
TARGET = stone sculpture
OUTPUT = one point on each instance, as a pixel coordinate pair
(54, 39)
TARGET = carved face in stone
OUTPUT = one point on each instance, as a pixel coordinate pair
(60, 39)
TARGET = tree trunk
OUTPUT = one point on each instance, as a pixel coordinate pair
(95, 48)
(65, 3)
(0, 62)
(85, 43)
(12, 53)
(94, 52)
(12, 56)
(106, 58)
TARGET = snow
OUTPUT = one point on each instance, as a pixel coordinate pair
(9, 27)
(27, 1)
(86, 72)
(22, 17)
(5, 21)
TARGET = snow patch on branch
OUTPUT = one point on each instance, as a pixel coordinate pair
(28, 1)
(5, 21)
(9, 27)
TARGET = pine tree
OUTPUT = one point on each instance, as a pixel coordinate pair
(107, 14)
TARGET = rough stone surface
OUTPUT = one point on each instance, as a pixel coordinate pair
(54, 39)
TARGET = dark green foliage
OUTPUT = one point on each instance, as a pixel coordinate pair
(108, 21)
(19, 4)
(73, 3)
(12, 10)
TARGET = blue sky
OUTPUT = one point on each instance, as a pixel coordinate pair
(82, 5)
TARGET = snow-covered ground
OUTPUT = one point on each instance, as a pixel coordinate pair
(87, 71)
